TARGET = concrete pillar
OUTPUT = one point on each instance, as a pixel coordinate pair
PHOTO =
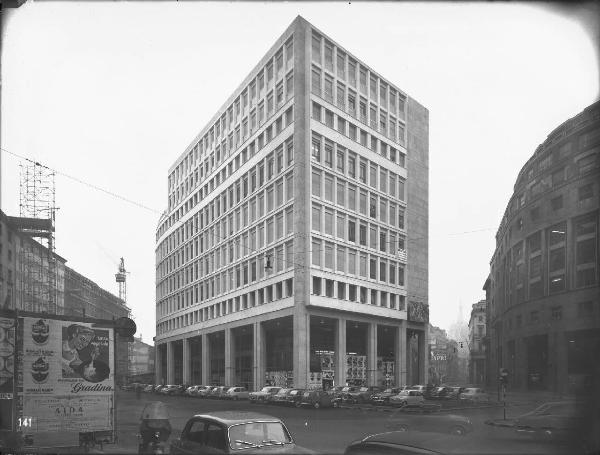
(229, 360)
(372, 354)
(400, 355)
(170, 363)
(205, 360)
(423, 358)
(186, 361)
(259, 356)
(158, 371)
(301, 347)
(340, 353)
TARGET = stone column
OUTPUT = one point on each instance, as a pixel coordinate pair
(301, 348)
(170, 363)
(259, 356)
(372, 354)
(400, 355)
(186, 361)
(229, 361)
(158, 375)
(205, 360)
(340, 353)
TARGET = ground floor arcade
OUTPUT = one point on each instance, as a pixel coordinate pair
(309, 350)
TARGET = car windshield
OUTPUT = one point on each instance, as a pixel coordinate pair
(364, 389)
(257, 434)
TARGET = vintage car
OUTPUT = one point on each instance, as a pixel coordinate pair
(383, 398)
(280, 397)
(294, 397)
(169, 390)
(362, 395)
(474, 394)
(434, 422)
(235, 432)
(263, 395)
(316, 399)
(237, 393)
(204, 391)
(407, 398)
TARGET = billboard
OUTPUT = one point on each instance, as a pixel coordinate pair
(67, 378)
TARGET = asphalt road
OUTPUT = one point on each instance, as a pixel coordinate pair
(323, 430)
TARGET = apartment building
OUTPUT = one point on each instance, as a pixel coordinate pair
(294, 246)
(543, 290)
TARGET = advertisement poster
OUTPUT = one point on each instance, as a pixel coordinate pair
(68, 377)
(7, 371)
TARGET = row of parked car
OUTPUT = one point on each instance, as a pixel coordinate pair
(405, 396)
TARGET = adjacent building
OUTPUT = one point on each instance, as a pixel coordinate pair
(477, 347)
(141, 358)
(543, 295)
(294, 247)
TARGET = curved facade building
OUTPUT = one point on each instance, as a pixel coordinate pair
(543, 290)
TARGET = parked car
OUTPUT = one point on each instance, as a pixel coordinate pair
(221, 392)
(158, 388)
(344, 394)
(440, 393)
(294, 396)
(148, 389)
(335, 391)
(383, 398)
(181, 389)
(281, 396)
(264, 394)
(454, 393)
(169, 390)
(407, 398)
(435, 423)
(557, 419)
(474, 394)
(204, 391)
(237, 393)
(316, 399)
(425, 390)
(214, 392)
(235, 432)
(363, 394)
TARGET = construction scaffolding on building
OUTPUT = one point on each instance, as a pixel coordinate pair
(38, 284)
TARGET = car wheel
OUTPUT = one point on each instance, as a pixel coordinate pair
(458, 430)
(403, 404)
(336, 404)
(317, 405)
(298, 404)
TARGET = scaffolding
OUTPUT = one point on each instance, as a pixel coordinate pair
(38, 261)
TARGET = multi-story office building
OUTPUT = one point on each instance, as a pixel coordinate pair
(294, 247)
(477, 347)
(543, 290)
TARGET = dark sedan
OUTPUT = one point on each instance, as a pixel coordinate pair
(383, 398)
(435, 423)
(235, 432)
(316, 399)
(280, 397)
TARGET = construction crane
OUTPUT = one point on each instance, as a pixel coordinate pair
(121, 279)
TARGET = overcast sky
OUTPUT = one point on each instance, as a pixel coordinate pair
(112, 93)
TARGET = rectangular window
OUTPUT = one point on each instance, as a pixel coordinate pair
(316, 81)
(351, 197)
(351, 230)
(329, 255)
(373, 176)
(341, 65)
(328, 154)
(373, 269)
(341, 259)
(351, 166)
(363, 235)
(316, 217)
(341, 192)
(328, 86)
(316, 48)
(328, 222)
(316, 288)
(340, 159)
(340, 226)
(329, 187)
(352, 72)
(329, 57)
(316, 149)
(316, 183)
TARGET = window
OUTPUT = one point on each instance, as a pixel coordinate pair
(328, 56)
(362, 176)
(316, 183)
(351, 166)
(557, 203)
(341, 192)
(328, 222)
(328, 92)
(351, 231)
(316, 285)
(585, 251)
(329, 286)
(363, 235)
(316, 81)
(328, 154)
(316, 149)
(316, 48)
(341, 259)
(373, 207)
(340, 159)
(557, 313)
(352, 72)
(373, 237)
(316, 217)
(340, 226)
(373, 269)
(329, 187)
(585, 192)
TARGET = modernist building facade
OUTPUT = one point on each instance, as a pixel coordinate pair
(294, 247)
(543, 289)
(477, 347)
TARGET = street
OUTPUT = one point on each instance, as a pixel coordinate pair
(322, 430)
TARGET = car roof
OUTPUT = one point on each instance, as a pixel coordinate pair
(236, 417)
